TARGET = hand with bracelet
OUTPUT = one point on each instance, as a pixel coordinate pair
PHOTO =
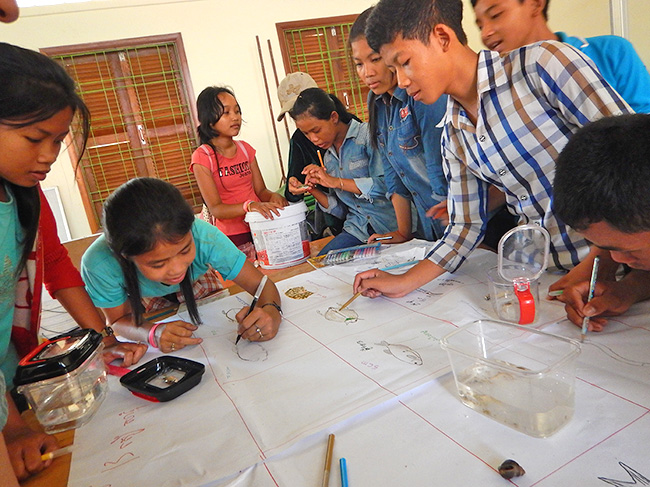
(78, 304)
(263, 321)
(173, 335)
(168, 336)
(129, 352)
(266, 208)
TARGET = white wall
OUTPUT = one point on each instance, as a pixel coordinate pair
(638, 13)
(219, 39)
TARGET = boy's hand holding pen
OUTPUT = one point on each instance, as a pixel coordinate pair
(578, 305)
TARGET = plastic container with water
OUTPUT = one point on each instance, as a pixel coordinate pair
(64, 380)
(514, 283)
(284, 240)
(516, 375)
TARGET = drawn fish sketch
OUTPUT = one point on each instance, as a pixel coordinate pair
(402, 352)
(616, 356)
(346, 315)
(251, 351)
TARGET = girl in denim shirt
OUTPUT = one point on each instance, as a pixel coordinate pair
(407, 134)
(352, 168)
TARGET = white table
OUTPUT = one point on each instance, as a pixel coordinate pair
(262, 419)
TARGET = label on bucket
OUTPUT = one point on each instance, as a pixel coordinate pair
(281, 247)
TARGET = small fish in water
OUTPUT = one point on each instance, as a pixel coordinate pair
(510, 469)
(402, 352)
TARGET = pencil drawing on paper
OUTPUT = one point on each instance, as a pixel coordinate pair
(231, 313)
(421, 296)
(251, 351)
(245, 350)
(364, 346)
(612, 354)
(402, 352)
(334, 313)
(637, 478)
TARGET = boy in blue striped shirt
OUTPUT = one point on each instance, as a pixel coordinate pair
(507, 120)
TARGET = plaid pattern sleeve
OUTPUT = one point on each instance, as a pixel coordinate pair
(530, 103)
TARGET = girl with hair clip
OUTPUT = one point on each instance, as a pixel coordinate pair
(406, 133)
(154, 246)
(352, 167)
(226, 170)
(37, 105)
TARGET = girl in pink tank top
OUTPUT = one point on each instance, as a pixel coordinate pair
(226, 170)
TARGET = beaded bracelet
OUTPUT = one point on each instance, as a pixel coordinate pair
(152, 331)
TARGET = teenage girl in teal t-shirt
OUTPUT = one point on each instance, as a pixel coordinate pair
(153, 246)
(10, 237)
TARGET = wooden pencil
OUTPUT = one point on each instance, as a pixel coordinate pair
(328, 461)
(347, 303)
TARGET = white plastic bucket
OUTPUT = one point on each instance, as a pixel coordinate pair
(283, 241)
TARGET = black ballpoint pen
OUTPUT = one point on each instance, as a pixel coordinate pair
(260, 288)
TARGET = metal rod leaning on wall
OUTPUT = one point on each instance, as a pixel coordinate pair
(277, 83)
(268, 99)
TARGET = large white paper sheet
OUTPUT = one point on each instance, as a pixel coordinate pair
(377, 377)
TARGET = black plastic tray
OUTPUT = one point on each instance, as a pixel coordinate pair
(163, 378)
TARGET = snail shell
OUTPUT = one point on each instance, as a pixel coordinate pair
(510, 469)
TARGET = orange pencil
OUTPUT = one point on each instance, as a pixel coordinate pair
(320, 158)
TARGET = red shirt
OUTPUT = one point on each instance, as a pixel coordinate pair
(48, 264)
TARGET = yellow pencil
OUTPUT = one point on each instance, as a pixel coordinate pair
(347, 303)
(320, 158)
(328, 461)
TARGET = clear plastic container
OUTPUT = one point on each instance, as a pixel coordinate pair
(64, 380)
(518, 376)
(509, 303)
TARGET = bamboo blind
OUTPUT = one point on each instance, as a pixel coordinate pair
(141, 122)
(322, 51)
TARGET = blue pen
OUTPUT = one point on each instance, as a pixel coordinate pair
(344, 472)
(401, 264)
(408, 262)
